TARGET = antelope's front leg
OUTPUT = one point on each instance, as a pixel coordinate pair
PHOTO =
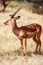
(25, 44)
(21, 44)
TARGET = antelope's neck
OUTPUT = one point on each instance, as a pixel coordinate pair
(15, 29)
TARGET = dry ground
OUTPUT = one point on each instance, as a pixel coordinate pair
(9, 43)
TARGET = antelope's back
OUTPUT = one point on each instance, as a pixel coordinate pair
(34, 27)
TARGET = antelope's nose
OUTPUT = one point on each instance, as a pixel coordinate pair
(6, 23)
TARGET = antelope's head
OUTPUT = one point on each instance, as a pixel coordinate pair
(12, 21)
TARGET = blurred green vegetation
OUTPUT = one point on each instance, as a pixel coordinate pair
(36, 5)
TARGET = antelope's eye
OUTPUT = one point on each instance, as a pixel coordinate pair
(10, 21)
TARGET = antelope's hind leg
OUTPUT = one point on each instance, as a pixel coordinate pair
(35, 40)
(39, 46)
(39, 42)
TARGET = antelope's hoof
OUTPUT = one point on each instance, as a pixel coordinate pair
(3, 10)
(35, 52)
(20, 48)
(24, 54)
(40, 53)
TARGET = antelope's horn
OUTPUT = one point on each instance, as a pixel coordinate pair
(12, 15)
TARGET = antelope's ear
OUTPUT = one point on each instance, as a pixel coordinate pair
(18, 17)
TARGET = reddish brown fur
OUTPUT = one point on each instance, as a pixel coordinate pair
(24, 32)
